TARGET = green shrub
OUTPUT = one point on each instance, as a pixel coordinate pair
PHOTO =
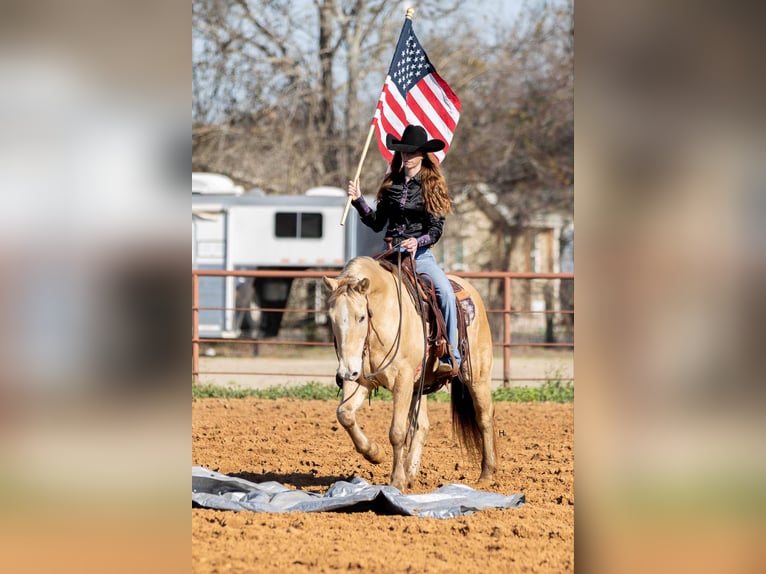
(550, 391)
(309, 391)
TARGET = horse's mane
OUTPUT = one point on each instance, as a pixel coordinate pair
(356, 269)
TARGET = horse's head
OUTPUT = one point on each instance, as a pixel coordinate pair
(349, 316)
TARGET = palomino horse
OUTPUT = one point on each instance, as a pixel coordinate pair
(379, 332)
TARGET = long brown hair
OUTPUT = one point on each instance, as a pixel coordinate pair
(435, 192)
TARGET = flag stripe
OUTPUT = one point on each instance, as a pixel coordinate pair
(432, 122)
(379, 129)
(428, 114)
(444, 88)
(396, 110)
(424, 118)
(435, 93)
(390, 117)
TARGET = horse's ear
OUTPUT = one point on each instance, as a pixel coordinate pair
(363, 285)
(330, 284)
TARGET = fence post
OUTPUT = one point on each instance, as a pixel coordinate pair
(195, 328)
(506, 331)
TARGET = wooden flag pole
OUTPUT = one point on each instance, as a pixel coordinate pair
(410, 12)
(358, 172)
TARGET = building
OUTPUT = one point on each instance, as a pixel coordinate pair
(484, 234)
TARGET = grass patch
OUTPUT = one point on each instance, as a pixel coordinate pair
(309, 391)
(550, 391)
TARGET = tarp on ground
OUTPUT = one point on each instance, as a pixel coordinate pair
(211, 489)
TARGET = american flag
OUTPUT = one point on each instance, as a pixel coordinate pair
(414, 93)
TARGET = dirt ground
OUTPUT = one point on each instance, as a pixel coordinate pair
(300, 444)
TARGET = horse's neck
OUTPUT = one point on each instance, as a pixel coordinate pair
(382, 298)
(391, 305)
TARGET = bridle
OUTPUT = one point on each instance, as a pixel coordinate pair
(366, 348)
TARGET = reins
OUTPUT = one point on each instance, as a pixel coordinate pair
(414, 412)
(415, 404)
(395, 346)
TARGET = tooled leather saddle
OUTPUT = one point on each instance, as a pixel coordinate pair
(421, 289)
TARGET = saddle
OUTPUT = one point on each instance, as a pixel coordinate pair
(421, 289)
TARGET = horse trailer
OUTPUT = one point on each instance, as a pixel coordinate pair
(235, 230)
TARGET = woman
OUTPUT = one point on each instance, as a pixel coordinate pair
(413, 200)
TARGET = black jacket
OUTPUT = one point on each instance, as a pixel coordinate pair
(403, 209)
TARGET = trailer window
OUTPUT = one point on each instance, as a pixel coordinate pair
(298, 225)
(311, 225)
(286, 225)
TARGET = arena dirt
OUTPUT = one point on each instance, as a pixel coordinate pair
(300, 444)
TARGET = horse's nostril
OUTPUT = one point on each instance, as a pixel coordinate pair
(354, 375)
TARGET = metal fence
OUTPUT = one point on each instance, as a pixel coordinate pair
(524, 310)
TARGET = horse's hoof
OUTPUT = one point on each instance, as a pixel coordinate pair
(375, 455)
(487, 478)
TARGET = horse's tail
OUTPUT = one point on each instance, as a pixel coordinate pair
(464, 423)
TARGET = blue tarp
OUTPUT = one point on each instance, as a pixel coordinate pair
(211, 489)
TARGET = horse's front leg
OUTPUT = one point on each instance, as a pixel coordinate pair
(354, 395)
(398, 431)
(416, 446)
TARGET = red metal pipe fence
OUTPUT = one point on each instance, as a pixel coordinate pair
(507, 310)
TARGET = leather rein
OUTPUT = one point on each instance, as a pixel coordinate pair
(415, 403)
(397, 340)
(395, 346)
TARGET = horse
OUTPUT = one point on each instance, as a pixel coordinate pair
(380, 342)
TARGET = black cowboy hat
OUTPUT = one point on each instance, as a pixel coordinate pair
(414, 139)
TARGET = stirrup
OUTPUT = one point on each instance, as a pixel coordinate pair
(443, 371)
(442, 368)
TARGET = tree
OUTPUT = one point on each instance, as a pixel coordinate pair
(272, 78)
(284, 91)
(517, 124)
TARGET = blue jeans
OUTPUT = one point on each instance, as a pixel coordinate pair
(425, 262)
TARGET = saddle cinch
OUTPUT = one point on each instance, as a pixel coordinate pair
(421, 288)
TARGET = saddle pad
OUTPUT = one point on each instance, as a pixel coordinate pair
(465, 301)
